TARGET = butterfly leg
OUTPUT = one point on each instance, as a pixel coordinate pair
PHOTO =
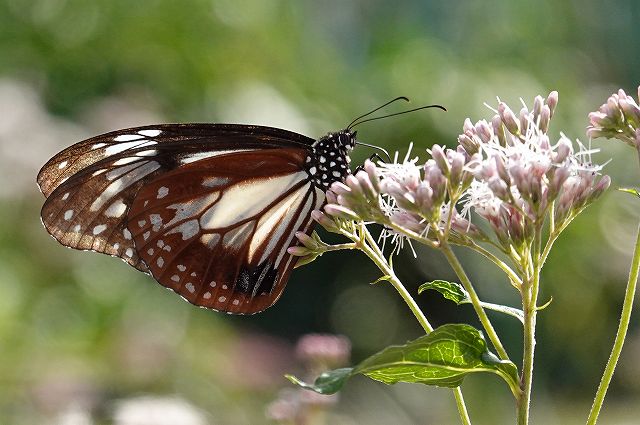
(374, 157)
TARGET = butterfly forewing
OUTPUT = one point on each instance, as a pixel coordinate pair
(216, 231)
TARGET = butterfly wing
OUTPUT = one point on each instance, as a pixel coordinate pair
(216, 231)
(91, 185)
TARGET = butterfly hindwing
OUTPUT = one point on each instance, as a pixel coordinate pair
(216, 231)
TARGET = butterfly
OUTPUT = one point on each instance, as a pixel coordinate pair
(208, 210)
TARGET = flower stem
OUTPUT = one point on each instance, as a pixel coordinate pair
(625, 317)
(371, 249)
(530, 309)
(475, 300)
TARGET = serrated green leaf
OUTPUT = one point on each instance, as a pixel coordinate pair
(455, 292)
(630, 190)
(442, 358)
(450, 290)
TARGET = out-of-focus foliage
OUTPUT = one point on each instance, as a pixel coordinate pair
(84, 333)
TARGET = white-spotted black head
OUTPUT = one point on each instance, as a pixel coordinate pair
(330, 160)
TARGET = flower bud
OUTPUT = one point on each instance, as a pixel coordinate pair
(299, 251)
(537, 107)
(469, 127)
(371, 170)
(307, 240)
(545, 117)
(457, 164)
(524, 120)
(552, 102)
(322, 219)
(498, 130)
(331, 197)
(484, 131)
(501, 169)
(631, 111)
(508, 118)
(437, 153)
(470, 145)
(340, 211)
(563, 150)
(370, 193)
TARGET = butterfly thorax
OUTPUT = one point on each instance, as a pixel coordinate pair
(330, 159)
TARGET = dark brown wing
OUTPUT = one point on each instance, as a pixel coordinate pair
(91, 185)
(217, 231)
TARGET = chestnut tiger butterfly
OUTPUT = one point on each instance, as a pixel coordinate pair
(209, 210)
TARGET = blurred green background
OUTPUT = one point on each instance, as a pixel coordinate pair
(82, 335)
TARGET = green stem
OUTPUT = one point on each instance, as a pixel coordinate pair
(475, 300)
(625, 317)
(529, 307)
(371, 249)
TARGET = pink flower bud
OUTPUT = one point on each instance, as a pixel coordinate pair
(437, 153)
(307, 240)
(470, 145)
(469, 127)
(366, 185)
(457, 164)
(524, 120)
(545, 117)
(298, 251)
(631, 111)
(372, 172)
(340, 211)
(537, 107)
(340, 188)
(508, 118)
(483, 129)
(322, 219)
(331, 197)
(552, 102)
(498, 130)
(563, 150)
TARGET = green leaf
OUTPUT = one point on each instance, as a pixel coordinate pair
(450, 290)
(630, 190)
(442, 358)
(455, 292)
(385, 278)
(328, 383)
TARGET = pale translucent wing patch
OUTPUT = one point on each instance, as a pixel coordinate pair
(219, 236)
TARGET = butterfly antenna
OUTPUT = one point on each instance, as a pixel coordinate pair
(383, 150)
(397, 113)
(378, 108)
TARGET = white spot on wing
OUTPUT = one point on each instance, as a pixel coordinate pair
(162, 192)
(202, 155)
(190, 287)
(222, 299)
(206, 295)
(150, 133)
(99, 229)
(127, 234)
(129, 252)
(188, 229)
(65, 196)
(116, 209)
(127, 138)
(160, 261)
(62, 165)
(181, 267)
(68, 214)
(175, 278)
